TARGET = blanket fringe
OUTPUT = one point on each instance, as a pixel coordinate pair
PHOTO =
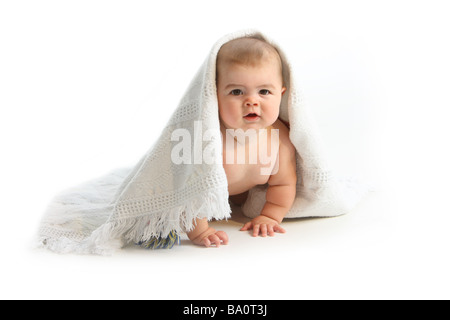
(212, 205)
(119, 231)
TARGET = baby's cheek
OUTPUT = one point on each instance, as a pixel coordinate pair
(228, 117)
(274, 112)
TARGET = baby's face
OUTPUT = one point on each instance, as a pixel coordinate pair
(249, 96)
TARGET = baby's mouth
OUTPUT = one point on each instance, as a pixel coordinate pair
(251, 117)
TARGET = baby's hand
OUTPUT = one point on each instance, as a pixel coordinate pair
(263, 225)
(211, 236)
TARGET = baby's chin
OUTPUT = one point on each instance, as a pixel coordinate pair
(255, 124)
(260, 124)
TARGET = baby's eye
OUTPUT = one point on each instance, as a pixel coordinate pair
(236, 92)
(264, 92)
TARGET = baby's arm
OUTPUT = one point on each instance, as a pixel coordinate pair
(280, 193)
(204, 235)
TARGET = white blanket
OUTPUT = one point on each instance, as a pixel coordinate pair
(157, 196)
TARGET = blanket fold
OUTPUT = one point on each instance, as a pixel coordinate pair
(159, 197)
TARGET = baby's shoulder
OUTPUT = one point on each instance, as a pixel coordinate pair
(283, 132)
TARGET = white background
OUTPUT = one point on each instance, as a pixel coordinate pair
(87, 86)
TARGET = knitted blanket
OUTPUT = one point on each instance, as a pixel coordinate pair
(159, 197)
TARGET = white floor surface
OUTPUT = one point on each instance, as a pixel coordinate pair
(367, 254)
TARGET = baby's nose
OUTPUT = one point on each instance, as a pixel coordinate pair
(251, 102)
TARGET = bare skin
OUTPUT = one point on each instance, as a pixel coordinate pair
(243, 177)
(280, 192)
(249, 98)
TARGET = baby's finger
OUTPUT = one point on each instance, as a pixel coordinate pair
(256, 230)
(270, 231)
(264, 230)
(215, 239)
(206, 242)
(246, 226)
(222, 236)
(279, 229)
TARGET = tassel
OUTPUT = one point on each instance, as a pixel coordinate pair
(161, 243)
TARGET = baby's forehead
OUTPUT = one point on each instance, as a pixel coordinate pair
(247, 51)
(271, 64)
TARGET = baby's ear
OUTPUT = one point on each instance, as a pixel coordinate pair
(283, 90)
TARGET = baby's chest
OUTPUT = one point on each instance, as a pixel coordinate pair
(246, 173)
(241, 178)
(248, 165)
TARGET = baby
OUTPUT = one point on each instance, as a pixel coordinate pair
(249, 91)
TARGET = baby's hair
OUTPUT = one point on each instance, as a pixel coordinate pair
(247, 51)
